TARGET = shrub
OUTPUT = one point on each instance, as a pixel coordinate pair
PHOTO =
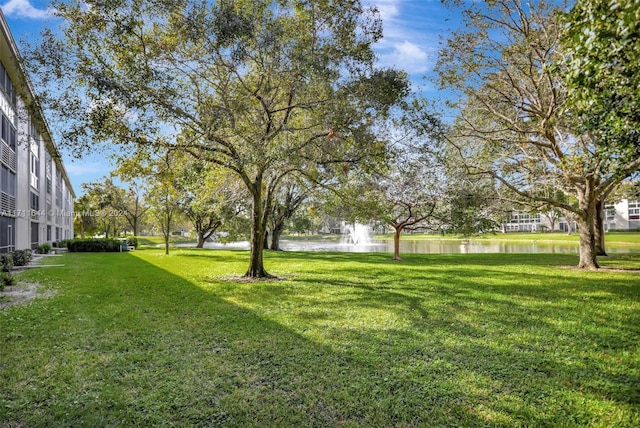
(43, 248)
(132, 241)
(22, 257)
(6, 262)
(7, 280)
(93, 245)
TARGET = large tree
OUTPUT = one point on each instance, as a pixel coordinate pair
(164, 193)
(407, 196)
(514, 124)
(131, 204)
(100, 204)
(602, 45)
(261, 87)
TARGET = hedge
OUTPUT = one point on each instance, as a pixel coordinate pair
(94, 245)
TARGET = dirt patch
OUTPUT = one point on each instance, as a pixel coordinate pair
(22, 293)
(245, 279)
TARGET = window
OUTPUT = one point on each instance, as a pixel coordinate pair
(35, 238)
(58, 190)
(47, 167)
(7, 181)
(7, 86)
(8, 191)
(7, 234)
(5, 129)
(8, 133)
(34, 132)
(523, 218)
(609, 212)
(35, 165)
(12, 138)
(2, 74)
(634, 210)
(35, 202)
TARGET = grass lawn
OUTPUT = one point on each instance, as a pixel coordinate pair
(612, 239)
(344, 339)
(159, 240)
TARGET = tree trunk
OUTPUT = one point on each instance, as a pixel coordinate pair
(266, 239)
(599, 228)
(166, 226)
(569, 218)
(587, 245)
(587, 240)
(396, 243)
(276, 233)
(256, 262)
(201, 239)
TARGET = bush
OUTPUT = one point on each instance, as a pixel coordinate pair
(6, 262)
(93, 245)
(7, 280)
(43, 248)
(132, 241)
(22, 257)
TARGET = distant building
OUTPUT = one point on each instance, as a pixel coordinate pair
(623, 215)
(36, 196)
(523, 222)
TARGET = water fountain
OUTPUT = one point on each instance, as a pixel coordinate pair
(357, 234)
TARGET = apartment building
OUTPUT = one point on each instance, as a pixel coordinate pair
(36, 196)
(623, 215)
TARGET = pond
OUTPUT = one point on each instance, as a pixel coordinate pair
(423, 246)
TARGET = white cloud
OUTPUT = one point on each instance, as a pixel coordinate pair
(407, 56)
(387, 10)
(408, 41)
(23, 9)
(410, 57)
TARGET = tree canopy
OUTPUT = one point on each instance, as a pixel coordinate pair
(602, 46)
(515, 125)
(260, 87)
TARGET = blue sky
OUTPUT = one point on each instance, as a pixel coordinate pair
(412, 33)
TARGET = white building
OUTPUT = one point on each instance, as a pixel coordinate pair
(623, 215)
(36, 196)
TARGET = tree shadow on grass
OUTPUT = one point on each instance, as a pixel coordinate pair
(560, 329)
(127, 342)
(160, 350)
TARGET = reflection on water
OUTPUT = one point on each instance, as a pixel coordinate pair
(407, 246)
